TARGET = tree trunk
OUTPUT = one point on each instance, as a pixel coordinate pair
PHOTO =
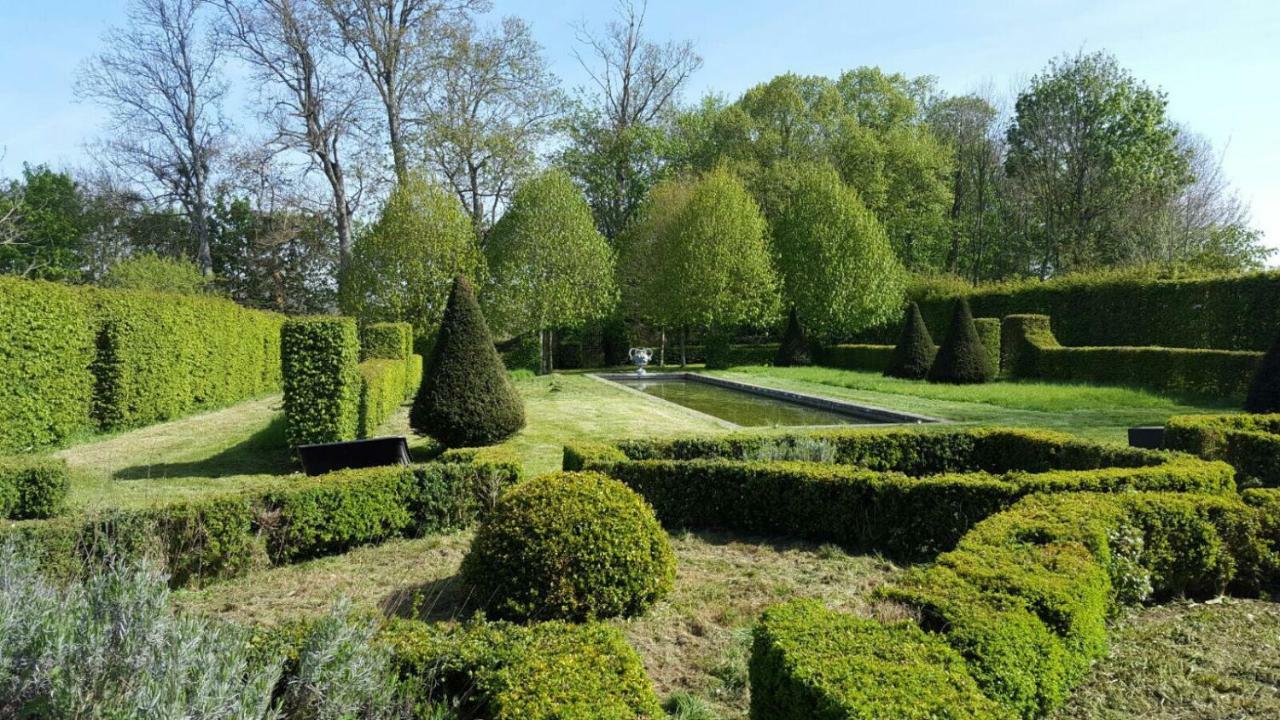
(662, 347)
(684, 339)
(551, 351)
(398, 160)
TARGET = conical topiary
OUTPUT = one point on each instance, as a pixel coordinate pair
(1264, 391)
(794, 350)
(466, 397)
(962, 359)
(914, 353)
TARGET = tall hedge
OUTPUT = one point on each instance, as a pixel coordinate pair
(962, 359)
(82, 359)
(794, 350)
(466, 397)
(1264, 390)
(321, 381)
(913, 355)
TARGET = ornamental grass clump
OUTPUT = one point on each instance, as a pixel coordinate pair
(913, 355)
(466, 397)
(570, 546)
(962, 359)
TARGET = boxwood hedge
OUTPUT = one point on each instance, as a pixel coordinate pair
(295, 519)
(321, 380)
(907, 493)
(32, 486)
(1250, 443)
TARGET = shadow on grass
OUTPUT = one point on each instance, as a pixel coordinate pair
(266, 452)
(449, 598)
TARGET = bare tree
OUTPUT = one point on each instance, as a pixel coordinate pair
(310, 103)
(159, 80)
(395, 44)
(492, 101)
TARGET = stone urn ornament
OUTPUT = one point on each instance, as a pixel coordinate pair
(640, 356)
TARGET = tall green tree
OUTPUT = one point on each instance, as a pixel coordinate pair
(402, 269)
(708, 263)
(43, 221)
(1089, 144)
(967, 124)
(147, 271)
(837, 267)
(549, 266)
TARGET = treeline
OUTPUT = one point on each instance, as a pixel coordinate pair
(377, 123)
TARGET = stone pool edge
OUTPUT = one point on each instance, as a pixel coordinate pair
(882, 416)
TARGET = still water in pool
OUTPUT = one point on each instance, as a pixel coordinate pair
(741, 407)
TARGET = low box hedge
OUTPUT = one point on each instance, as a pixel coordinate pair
(295, 519)
(543, 671)
(1250, 443)
(32, 486)
(1023, 600)
(907, 493)
(1030, 350)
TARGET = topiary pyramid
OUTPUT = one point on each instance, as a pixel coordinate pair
(914, 353)
(794, 350)
(1264, 391)
(962, 359)
(466, 397)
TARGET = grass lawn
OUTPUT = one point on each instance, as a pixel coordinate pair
(694, 645)
(1189, 661)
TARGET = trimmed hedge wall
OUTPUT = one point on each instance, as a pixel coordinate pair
(723, 355)
(910, 494)
(392, 341)
(1031, 350)
(1239, 312)
(544, 671)
(298, 518)
(1023, 599)
(82, 359)
(382, 389)
(989, 334)
(32, 487)
(855, 357)
(321, 380)
(1250, 443)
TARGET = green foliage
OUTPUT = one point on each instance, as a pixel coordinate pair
(875, 358)
(1250, 443)
(340, 672)
(1030, 350)
(466, 397)
(382, 390)
(794, 349)
(543, 671)
(386, 340)
(989, 333)
(1264, 389)
(321, 380)
(46, 389)
(906, 493)
(810, 662)
(46, 216)
(32, 486)
(550, 267)
(962, 359)
(836, 266)
(227, 536)
(696, 255)
(401, 270)
(155, 273)
(913, 355)
(574, 546)
(84, 359)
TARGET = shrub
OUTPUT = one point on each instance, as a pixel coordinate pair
(544, 671)
(321, 381)
(388, 340)
(1264, 389)
(155, 273)
(913, 355)
(1250, 443)
(794, 350)
(32, 487)
(1031, 351)
(875, 358)
(382, 391)
(573, 546)
(810, 662)
(962, 359)
(46, 390)
(989, 333)
(466, 397)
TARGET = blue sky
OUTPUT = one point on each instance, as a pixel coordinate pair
(1218, 61)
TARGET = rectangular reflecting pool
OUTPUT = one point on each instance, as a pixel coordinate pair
(755, 406)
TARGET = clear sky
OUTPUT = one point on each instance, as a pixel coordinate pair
(1218, 61)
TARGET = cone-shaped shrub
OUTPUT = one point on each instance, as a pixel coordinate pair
(466, 398)
(962, 359)
(794, 349)
(1264, 392)
(913, 355)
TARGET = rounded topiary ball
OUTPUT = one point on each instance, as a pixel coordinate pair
(572, 546)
